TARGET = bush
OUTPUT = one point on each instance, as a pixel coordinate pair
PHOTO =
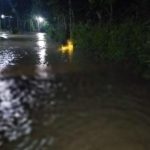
(15, 30)
(56, 33)
(127, 44)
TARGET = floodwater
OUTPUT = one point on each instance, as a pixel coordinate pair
(48, 102)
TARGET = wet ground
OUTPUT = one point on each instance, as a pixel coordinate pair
(48, 102)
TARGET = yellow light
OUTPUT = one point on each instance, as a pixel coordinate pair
(67, 48)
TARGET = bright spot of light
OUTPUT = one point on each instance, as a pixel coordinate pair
(4, 35)
(69, 47)
(41, 36)
(42, 51)
(41, 43)
(2, 16)
(39, 19)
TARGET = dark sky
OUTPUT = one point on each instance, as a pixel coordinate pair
(80, 7)
(7, 6)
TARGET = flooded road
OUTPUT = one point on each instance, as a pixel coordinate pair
(23, 50)
(48, 102)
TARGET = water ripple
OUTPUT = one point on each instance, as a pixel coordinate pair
(17, 96)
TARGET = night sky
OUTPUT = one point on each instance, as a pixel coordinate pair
(8, 6)
(82, 9)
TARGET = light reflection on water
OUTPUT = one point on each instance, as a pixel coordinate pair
(14, 119)
(18, 50)
(37, 113)
(102, 117)
(42, 47)
(6, 59)
(17, 97)
(4, 35)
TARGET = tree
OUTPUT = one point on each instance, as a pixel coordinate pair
(103, 9)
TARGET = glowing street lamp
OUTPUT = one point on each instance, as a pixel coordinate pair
(2, 16)
(39, 20)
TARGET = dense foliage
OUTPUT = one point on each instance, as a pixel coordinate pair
(125, 44)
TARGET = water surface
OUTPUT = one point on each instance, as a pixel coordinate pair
(48, 102)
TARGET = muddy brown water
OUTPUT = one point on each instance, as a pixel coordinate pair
(48, 103)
